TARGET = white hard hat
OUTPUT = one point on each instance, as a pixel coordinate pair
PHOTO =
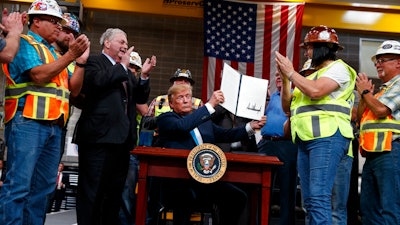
(46, 7)
(135, 59)
(387, 47)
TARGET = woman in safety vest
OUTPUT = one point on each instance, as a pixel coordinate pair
(320, 118)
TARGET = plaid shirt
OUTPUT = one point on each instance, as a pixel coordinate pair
(391, 96)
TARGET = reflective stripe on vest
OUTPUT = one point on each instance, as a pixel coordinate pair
(316, 126)
(326, 107)
(376, 133)
(46, 102)
(320, 118)
(161, 105)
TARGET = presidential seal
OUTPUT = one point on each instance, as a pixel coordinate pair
(206, 163)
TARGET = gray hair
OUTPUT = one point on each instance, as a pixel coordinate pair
(109, 34)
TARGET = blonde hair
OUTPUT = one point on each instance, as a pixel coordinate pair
(176, 88)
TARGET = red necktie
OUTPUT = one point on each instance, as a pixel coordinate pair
(58, 180)
(124, 83)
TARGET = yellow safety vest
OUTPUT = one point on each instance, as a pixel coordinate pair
(311, 119)
(43, 102)
(376, 133)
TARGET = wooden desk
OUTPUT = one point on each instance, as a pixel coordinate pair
(171, 163)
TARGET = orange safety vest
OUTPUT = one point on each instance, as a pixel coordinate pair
(43, 102)
(376, 133)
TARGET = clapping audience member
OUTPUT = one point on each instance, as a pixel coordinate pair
(342, 183)
(12, 26)
(36, 109)
(274, 142)
(379, 115)
(320, 118)
(128, 208)
(184, 128)
(106, 131)
(70, 30)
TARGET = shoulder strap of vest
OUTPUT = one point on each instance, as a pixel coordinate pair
(163, 98)
(38, 46)
(196, 101)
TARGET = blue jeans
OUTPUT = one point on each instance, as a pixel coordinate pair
(128, 209)
(33, 154)
(380, 196)
(340, 191)
(286, 152)
(318, 161)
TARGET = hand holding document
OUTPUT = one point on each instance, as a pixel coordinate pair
(245, 96)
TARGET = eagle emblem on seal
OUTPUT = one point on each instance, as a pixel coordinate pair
(206, 162)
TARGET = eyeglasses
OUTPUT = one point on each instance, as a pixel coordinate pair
(382, 60)
(51, 20)
(180, 98)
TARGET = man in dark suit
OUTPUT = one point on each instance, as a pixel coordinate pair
(59, 192)
(175, 130)
(106, 130)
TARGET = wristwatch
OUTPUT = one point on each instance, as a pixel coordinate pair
(366, 91)
(80, 64)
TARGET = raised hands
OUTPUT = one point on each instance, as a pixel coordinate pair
(148, 66)
(13, 23)
(363, 83)
(284, 65)
(83, 58)
(79, 47)
(216, 98)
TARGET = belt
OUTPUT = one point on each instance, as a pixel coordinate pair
(274, 138)
(59, 121)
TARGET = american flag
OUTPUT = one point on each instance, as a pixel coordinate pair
(245, 35)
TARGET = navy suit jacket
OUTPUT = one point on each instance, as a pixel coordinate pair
(174, 130)
(103, 118)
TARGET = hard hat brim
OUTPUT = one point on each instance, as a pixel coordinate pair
(304, 44)
(62, 21)
(173, 79)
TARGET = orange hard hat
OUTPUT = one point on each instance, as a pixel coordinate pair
(321, 34)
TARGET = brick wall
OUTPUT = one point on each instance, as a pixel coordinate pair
(177, 42)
